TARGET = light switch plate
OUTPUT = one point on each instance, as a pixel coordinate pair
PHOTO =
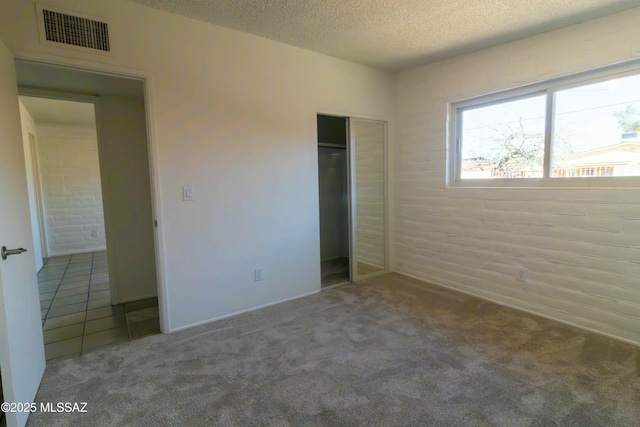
(187, 193)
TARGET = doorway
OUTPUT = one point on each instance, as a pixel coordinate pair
(63, 176)
(104, 292)
(333, 183)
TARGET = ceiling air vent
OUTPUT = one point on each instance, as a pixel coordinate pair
(58, 27)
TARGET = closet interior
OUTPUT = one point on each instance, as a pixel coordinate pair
(333, 183)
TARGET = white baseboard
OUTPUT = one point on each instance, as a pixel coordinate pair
(235, 313)
(81, 251)
(515, 307)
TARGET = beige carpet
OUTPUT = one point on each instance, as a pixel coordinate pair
(382, 353)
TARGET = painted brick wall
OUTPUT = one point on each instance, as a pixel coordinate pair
(581, 247)
(71, 186)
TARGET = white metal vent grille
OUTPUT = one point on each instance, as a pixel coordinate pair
(75, 31)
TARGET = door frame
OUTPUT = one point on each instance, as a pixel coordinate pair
(147, 84)
(63, 96)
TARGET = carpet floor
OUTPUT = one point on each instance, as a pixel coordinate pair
(391, 351)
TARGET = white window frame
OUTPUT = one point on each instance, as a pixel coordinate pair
(549, 88)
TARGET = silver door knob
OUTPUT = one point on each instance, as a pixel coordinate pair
(6, 252)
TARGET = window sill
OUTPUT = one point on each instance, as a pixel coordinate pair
(611, 183)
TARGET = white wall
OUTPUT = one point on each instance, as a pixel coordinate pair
(72, 196)
(29, 127)
(234, 116)
(581, 246)
(124, 165)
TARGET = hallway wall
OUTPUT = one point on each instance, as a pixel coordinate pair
(124, 162)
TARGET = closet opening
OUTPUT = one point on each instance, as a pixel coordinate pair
(333, 183)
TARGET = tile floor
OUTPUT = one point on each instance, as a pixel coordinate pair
(77, 315)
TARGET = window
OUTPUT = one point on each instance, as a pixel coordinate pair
(556, 133)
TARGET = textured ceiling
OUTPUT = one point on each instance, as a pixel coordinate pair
(393, 34)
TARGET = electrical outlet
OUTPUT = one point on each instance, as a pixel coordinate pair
(259, 274)
(521, 274)
(94, 233)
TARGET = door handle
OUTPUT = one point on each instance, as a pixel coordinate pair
(6, 252)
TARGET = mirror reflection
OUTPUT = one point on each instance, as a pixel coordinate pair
(368, 146)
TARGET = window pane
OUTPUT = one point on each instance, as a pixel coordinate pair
(597, 130)
(504, 140)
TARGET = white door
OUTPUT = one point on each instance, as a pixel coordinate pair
(22, 359)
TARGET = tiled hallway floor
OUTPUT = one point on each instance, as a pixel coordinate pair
(77, 315)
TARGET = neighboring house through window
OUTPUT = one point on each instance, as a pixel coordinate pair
(586, 126)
